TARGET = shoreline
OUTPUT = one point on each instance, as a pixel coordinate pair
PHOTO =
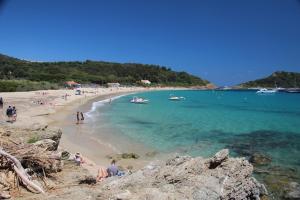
(96, 148)
(50, 108)
(81, 138)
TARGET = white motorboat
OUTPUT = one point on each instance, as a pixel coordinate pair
(293, 90)
(139, 100)
(175, 98)
(266, 91)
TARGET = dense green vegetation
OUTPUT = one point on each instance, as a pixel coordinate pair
(93, 72)
(25, 85)
(280, 78)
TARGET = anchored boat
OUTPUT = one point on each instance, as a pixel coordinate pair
(266, 91)
(139, 100)
(175, 98)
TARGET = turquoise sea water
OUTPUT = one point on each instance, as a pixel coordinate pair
(207, 121)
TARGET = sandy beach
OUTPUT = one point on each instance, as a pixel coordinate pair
(58, 108)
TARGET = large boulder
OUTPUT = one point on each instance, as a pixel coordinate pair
(46, 134)
(46, 144)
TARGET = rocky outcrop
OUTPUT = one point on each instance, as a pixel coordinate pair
(184, 177)
(30, 155)
(46, 144)
(53, 134)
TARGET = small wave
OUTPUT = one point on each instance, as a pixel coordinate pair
(98, 104)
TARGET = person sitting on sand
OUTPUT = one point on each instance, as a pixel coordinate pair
(112, 170)
(102, 174)
(78, 159)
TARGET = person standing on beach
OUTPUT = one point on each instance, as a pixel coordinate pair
(77, 118)
(14, 114)
(1, 107)
(82, 117)
(1, 103)
(9, 112)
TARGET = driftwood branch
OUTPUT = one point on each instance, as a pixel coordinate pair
(18, 168)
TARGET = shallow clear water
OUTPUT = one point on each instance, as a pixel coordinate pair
(207, 121)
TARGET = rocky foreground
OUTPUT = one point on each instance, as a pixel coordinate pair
(219, 177)
(180, 177)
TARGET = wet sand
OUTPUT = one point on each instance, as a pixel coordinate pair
(95, 146)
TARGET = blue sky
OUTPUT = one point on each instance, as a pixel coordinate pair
(226, 42)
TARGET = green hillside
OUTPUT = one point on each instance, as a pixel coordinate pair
(280, 78)
(93, 72)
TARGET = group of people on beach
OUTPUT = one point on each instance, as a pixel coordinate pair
(103, 173)
(11, 113)
(79, 117)
(112, 170)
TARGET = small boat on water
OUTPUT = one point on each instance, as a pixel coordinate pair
(139, 100)
(266, 91)
(175, 98)
(293, 90)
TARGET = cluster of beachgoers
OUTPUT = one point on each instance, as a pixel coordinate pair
(11, 112)
(103, 173)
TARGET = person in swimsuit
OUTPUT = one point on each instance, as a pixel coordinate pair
(1, 103)
(77, 118)
(9, 114)
(82, 117)
(14, 114)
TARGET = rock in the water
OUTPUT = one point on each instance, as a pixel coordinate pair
(151, 154)
(260, 159)
(123, 156)
(292, 191)
(46, 144)
(188, 178)
(130, 155)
